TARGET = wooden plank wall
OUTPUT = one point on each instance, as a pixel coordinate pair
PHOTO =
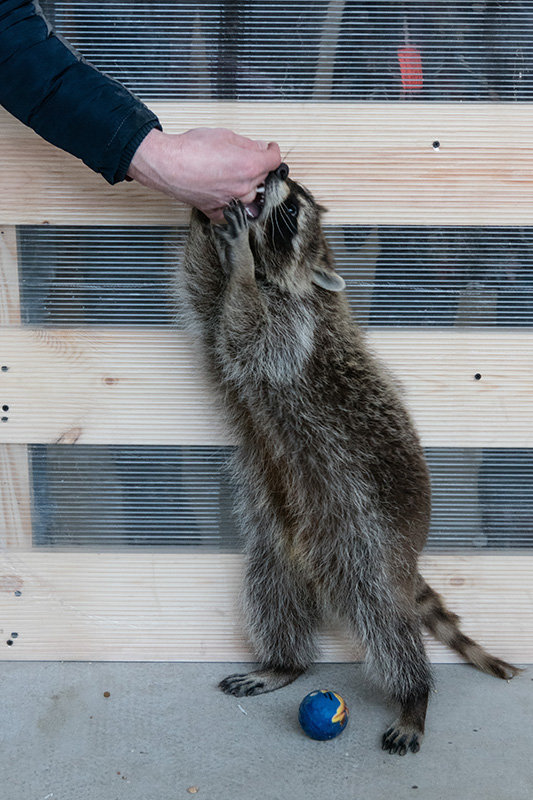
(15, 506)
(371, 164)
(111, 373)
(152, 606)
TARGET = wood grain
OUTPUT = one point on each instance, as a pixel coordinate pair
(370, 163)
(145, 386)
(165, 606)
(15, 498)
(9, 277)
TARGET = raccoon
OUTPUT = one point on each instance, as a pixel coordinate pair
(333, 490)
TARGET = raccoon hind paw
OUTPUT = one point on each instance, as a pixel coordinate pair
(399, 739)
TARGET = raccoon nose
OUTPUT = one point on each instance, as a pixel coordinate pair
(282, 172)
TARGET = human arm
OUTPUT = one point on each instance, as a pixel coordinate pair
(204, 167)
(52, 89)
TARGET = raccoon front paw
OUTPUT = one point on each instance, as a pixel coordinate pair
(400, 738)
(235, 216)
(232, 243)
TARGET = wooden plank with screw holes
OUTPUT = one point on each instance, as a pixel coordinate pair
(144, 386)
(15, 510)
(369, 163)
(159, 606)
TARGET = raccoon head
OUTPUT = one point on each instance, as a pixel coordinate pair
(286, 237)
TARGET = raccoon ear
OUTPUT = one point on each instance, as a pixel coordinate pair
(329, 280)
(322, 209)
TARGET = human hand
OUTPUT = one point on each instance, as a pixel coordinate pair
(204, 167)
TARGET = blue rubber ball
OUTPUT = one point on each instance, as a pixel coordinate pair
(323, 715)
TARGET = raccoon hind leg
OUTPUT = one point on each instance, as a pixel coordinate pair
(391, 632)
(282, 617)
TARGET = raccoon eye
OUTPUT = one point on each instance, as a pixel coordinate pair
(292, 208)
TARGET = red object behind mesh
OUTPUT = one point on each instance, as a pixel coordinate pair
(411, 68)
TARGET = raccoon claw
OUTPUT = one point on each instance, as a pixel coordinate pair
(232, 243)
(241, 685)
(235, 216)
(399, 740)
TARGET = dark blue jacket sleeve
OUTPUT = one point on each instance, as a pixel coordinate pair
(51, 88)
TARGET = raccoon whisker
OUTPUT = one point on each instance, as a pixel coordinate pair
(272, 218)
(288, 221)
(278, 227)
(283, 214)
(288, 152)
(291, 227)
(279, 215)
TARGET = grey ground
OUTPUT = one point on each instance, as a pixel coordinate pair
(166, 728)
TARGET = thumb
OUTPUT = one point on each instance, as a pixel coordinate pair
(271, 156)
(266, 158)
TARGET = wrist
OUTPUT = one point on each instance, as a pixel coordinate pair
(132, 146)
(147, 163)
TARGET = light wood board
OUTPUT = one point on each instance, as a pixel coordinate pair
(15, 500)
(369, 163)
(167, 605)
(15, 497)
(145, 386)
(9, 277)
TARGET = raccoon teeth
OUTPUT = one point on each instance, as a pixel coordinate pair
(260, 189)
(248, 211)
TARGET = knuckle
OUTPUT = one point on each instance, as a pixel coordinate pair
(249, 166)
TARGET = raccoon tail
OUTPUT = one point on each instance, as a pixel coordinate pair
(444, 626)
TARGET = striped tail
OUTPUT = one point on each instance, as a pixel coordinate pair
(444, 625)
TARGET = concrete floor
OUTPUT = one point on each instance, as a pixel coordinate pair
(165, 729)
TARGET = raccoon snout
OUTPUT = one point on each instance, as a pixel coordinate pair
(282, 172)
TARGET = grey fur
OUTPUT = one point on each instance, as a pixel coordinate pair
(333, 489)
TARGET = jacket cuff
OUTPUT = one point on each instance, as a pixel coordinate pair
(131, 147)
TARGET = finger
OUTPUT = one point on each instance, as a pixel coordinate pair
(273, 156)
(266, 161)
(260, 179)
(269, 150)
(248, 198)
(216, 215)
(244, 141)
(255, 144)
(249, 144)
